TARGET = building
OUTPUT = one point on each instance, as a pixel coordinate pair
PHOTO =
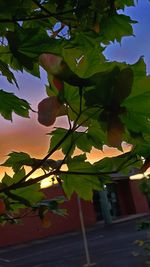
(124, 198)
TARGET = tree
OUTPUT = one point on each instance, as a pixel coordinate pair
(104, 102)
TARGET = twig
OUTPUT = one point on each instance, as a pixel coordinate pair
(50, 13)
(39, 17)
(46, 157)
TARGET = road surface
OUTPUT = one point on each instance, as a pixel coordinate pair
(109, 246)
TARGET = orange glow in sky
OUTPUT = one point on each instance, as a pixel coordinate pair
(27, 135)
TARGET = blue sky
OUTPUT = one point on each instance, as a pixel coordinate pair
(132, 48)
(19, 134)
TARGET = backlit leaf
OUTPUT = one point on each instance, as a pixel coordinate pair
(16, 160)
(68, 143)
(81, 184)
(32, 193)
(10, 103)
(8, 180)
(96, 135)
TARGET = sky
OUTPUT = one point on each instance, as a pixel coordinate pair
(27, 134)
(132, 48)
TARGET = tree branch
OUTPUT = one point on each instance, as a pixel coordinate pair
(50, 13)
(46, 175)
(14, 20)
(57, 172)
(85, 173)
(46, 157)
(39, 17)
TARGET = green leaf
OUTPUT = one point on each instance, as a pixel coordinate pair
(18, 176)
(82, 141)
(136, 122)
(16, 160)
(35, 71)
(138, 101)
(32, 193)
(121, 4)
(139, 69)
(6, 72)
(51, 205)
(72, 99)
(115, 27)
(8, 58)
(71, 96)
(119, 164)
(21, 53)
(104, 86)
(95, 134)
(139, 104)
(57, 135)
(80, 61)
(33, 37)
(143, 151)
(25, 195)
(17, 8)
(13, 194)
(10, 103)
(141, 81)
(8, 180)
(80, 51)
(109, 164)
(83, 185)
(14, 40)
(44, 23)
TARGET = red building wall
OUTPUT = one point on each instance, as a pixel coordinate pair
(131, 200)
(31, 228)
(125, 199)
(140, 201)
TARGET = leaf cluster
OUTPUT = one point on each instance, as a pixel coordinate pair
(104, 102)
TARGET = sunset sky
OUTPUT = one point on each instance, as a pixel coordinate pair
(27, 134)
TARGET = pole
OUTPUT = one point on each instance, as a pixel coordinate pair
(105, 206)
(87, 254)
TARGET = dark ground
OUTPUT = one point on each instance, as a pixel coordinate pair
(109, 246)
